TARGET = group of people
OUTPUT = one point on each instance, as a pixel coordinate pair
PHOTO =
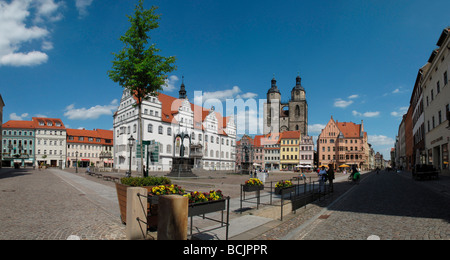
(328, 175)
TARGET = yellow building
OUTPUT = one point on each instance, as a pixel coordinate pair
(289, 149)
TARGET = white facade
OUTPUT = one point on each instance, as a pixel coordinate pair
(163, 118)
(50, 142)
(436, 91)
(306, 151)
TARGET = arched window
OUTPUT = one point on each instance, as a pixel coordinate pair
(297, 111)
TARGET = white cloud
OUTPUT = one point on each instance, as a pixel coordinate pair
(366, 114)
(170, 83)
(353, 96)
(315, 128)
(90, 113)
(342, 103)
(223, 95)
(15, 33)
(380, 140)
(14, 116)
(400, 112)
(82, 6)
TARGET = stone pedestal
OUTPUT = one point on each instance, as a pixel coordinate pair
(136, 213)
(173, 217)
(182, 167)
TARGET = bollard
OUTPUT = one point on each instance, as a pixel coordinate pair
(173, 217)
(136, 213)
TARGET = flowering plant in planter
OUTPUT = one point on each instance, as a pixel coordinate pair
(283, 184)
(198, 197)
(253, 182)
(167, 190)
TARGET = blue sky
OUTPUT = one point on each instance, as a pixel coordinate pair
(358, 59)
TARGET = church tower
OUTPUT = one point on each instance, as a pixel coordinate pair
(298, 108)
(272, 109)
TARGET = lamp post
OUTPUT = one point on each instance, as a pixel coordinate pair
(130, 143)
(76, 162)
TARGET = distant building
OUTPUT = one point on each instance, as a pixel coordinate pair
(272, 151)
(290, 116)
(343, 143)
(289, 149)
(50, 141)
(18, 143)
(90, 147)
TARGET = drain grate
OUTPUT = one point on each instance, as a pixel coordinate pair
(8, 190)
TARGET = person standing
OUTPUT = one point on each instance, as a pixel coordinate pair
(330, 176)
(322, 179)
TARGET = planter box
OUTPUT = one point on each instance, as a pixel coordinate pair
(196, 209)
(248, 188)
(152, 212)
(282, 191)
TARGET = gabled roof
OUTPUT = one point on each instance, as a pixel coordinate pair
(170, 107)
(349, 129)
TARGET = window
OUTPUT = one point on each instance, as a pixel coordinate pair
(160, 130)
(169, 131)
(445, 78)
(438, 87)
(150, 128)
(432, 95)
(440, 117)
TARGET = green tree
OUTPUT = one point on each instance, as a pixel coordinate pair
(138, 67)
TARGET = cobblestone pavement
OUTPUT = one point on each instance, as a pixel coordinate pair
(386, 206)
(39, 205)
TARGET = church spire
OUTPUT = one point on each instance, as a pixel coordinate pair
(182, 92)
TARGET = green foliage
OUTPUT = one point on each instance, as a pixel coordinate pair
(137, 66)
(145, 181)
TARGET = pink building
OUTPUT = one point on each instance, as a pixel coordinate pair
(343, 143)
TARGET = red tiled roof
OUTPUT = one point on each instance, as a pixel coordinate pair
(290, 135)
(170, 106)
(349, 129)
(48, 123)
(18, 124)
(96, 133)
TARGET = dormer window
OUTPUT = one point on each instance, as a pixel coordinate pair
(49, 123)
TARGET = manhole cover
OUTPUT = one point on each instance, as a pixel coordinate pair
(324, 216)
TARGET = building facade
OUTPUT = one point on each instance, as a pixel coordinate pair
(271, 144)
(211, 141)
(18, 144)
(436, 91)
(89, 148)
(50, 141)
(289, 150)
(342, 143)
(290, 116)
(306, 152)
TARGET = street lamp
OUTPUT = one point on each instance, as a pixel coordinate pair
(130, 143)
(76, 161)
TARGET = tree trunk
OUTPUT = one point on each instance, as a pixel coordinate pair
(141, 137)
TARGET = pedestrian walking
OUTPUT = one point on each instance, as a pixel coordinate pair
(355, 174)
(330, 176)
(322, 179)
